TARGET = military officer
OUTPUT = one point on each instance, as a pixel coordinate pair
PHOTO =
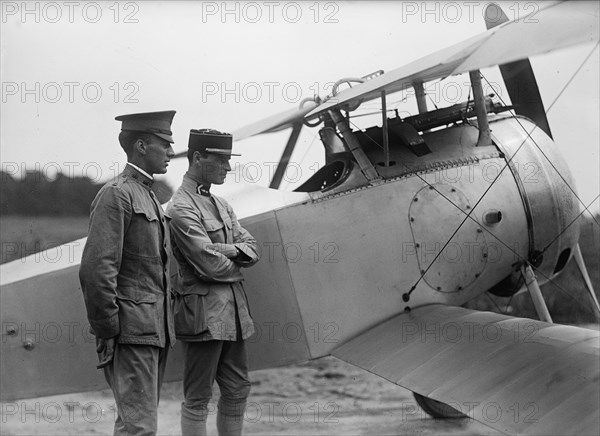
(125, 278)
(211, 310)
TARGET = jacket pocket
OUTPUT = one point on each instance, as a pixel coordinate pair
(214, 229)
(188, 283)
(190, 315)
(148, 211)
(138, 312)
(143, 237)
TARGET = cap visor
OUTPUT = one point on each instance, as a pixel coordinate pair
(168, 138)
(222, 152)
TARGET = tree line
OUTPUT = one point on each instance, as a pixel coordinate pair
(36, 194)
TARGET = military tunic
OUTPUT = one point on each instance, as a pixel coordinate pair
(125, 280)
(211, 303)
(124, 270)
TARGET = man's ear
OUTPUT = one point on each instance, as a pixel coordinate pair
(196, 156)
(140, 146)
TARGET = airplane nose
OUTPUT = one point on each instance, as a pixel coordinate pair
(550, 202)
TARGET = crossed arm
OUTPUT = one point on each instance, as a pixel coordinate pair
(214, 261)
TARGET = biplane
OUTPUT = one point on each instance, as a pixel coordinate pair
(371, 258)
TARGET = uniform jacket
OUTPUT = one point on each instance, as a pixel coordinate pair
(124, 268)
(209, 285)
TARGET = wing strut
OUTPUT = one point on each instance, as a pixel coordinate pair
(480, 109)
(536, 293)
(420, 95)
(586, 278)
(285, 156)
(384, 126)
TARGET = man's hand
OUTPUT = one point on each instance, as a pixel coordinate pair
(228, 250)
(106, 351)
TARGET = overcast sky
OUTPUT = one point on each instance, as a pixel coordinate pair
(68, 68)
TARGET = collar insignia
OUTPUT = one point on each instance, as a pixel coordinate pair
(203, 190)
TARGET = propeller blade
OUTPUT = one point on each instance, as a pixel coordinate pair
(519, 79)
(554, 27)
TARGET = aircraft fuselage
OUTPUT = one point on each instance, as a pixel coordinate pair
(439, 228)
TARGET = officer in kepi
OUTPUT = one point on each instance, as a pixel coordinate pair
(125, 277)
(212, 318)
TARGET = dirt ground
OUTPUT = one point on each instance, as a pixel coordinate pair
(322, 397)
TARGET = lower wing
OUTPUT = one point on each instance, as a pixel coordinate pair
(512, 374)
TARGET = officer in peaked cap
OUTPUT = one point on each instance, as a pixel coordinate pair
(125, 276)
(157, 123)
(212, 317)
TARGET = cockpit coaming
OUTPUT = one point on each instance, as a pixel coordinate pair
(441, 148)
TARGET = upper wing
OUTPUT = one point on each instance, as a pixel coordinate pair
(274, 123)
(515, 375)
(557, 26)
(554, 27)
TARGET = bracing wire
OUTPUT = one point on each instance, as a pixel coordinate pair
(468, 215)
(547, 111)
